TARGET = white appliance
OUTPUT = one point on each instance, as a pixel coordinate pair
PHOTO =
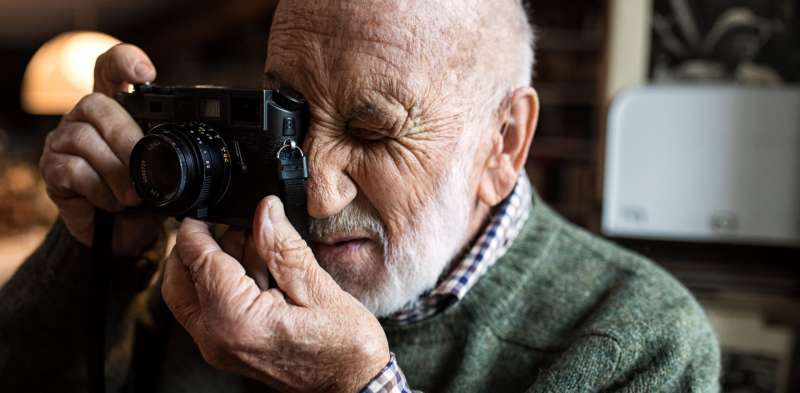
(710, 163)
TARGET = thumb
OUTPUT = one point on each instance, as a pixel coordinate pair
(287, 256)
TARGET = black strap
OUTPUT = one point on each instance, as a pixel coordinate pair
(294, 199)
(99, 278)
(150, 346)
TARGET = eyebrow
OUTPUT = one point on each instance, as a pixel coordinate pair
(371, 112)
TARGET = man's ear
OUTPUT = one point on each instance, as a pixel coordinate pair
(510, 145)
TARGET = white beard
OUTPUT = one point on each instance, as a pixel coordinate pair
(414, 264)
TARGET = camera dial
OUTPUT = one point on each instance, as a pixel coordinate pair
(181, 167)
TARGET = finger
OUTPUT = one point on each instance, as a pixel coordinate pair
(232, 242)
(69, 177)
(120, 66)
(255, 265)
(288, 257)
(111, 121)
(82, 140)
(220, 281)
(179, 293)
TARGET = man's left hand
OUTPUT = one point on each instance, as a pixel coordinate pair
(306, 335)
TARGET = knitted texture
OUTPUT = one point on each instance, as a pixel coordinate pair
(563, 311)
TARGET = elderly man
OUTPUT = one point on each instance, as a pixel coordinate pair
(433, 265)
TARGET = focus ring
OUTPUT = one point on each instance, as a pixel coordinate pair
(181, 167)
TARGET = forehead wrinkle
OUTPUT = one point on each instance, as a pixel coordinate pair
(428, 48)
(338, 51)
(437, 35)
(289, 56)
(338, 60)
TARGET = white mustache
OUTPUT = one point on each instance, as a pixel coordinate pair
(358, 216)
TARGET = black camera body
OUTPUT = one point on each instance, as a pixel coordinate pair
(213, 153)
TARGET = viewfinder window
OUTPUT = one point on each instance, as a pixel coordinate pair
(210, 108)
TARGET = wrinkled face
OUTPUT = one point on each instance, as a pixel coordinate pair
(392, 185)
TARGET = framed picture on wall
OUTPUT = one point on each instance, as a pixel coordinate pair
(754, 42)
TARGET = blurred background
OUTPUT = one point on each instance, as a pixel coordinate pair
(669, 126)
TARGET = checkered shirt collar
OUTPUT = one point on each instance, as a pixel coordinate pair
(493, 243)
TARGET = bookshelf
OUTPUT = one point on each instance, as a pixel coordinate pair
(569, 76)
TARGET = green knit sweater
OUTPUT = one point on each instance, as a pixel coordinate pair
(562, 311)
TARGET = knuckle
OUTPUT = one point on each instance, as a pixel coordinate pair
(65, 171)
(200, 261)
(81, 136)
(73, 167)
(60, 173)
(82, 107)
(293, 250)
(91, 100)
(51, 141)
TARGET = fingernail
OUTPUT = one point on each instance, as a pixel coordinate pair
(275, 212)
(143, 70)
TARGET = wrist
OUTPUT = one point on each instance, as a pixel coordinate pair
(389, 380)
(363, 372)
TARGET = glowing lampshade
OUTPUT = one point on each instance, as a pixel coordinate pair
(62, 71)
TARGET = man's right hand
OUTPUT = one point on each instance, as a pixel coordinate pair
(85, 159)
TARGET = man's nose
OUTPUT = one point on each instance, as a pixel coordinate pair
(330, 189)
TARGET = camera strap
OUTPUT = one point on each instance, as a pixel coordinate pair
(293, 173)
(99, 283)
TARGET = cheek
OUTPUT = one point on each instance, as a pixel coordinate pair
(399, 178)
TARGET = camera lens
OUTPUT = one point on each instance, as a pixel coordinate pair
(181, 166)
(166, 180)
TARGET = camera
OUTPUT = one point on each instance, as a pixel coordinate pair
(213, 153)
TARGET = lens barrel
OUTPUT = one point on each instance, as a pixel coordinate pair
(179, 167)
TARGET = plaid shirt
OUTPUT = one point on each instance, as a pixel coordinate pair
(492, 244)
